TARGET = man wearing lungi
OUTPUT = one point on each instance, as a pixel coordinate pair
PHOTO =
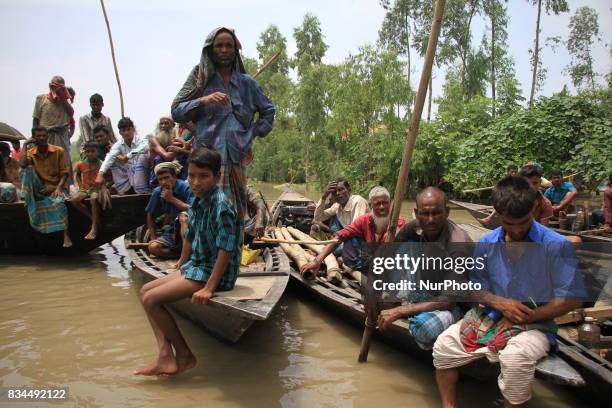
(128, 161)
(221, 99)
(43, 181)
(528, 278)
(53, 112)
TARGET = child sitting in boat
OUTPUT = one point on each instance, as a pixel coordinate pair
(209, 261)
(85, 173)
(170, 198)
(102, 137)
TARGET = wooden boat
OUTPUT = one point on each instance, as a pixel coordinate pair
(229, 314)
(479, 211)
(18, 237)
(553, 368)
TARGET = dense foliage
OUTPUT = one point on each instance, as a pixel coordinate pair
(350, 119)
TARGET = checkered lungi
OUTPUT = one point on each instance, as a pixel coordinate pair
(517, 360)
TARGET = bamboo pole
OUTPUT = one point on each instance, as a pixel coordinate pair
(294, 241)
(267, 64)
(110, 39)
(331, 264)
(400, 188)
(299, 257)
(474, 190)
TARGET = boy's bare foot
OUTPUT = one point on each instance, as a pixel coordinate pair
(163, 366)
(91, 235)
(67, 242)
(186, 363)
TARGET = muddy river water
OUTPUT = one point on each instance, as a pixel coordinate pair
(77, 322)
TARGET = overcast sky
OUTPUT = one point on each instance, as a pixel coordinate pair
(158, 42)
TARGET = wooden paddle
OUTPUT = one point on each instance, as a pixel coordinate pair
(400, 188)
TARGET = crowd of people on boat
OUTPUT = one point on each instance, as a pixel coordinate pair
(194, 167)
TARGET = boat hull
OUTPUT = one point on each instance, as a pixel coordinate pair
(224, 317)
(479, 211)
(17, 237)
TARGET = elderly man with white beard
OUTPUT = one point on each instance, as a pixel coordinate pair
(370, 227)
(160, 142)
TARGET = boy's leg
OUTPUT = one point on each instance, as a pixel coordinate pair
(77, 201)
(163, 344)
(67, 240)
(95, 216)
(153, 301)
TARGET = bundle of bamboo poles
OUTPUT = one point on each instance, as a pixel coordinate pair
(301, 248)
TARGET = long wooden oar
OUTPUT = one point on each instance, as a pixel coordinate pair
(112, 47)
(400, 188)
(474, 190)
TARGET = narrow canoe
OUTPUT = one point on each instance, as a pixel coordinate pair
(229, 314)
(479, 211)
(18, 238)
(344, 302)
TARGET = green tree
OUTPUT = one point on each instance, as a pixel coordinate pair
(310, 45)
(555, 6)
(563, 132)
(397, 30)
(584, 31)
(497, 46)
(271, 159)
(311, 92)
(275, 79)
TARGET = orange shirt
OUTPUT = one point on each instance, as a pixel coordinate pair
(88, 172)
(543, 208)
(50, 167)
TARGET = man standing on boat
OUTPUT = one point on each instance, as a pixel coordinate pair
(90, 121)
(222, 100)
(53, 111)
(428, 316)
(529, 278)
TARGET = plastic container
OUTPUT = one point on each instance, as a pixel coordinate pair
(589, 333)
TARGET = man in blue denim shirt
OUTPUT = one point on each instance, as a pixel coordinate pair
(222, 101)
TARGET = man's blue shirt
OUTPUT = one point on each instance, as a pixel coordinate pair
(229, 129)
(156, 204)
(546, 269)
(556, 194)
